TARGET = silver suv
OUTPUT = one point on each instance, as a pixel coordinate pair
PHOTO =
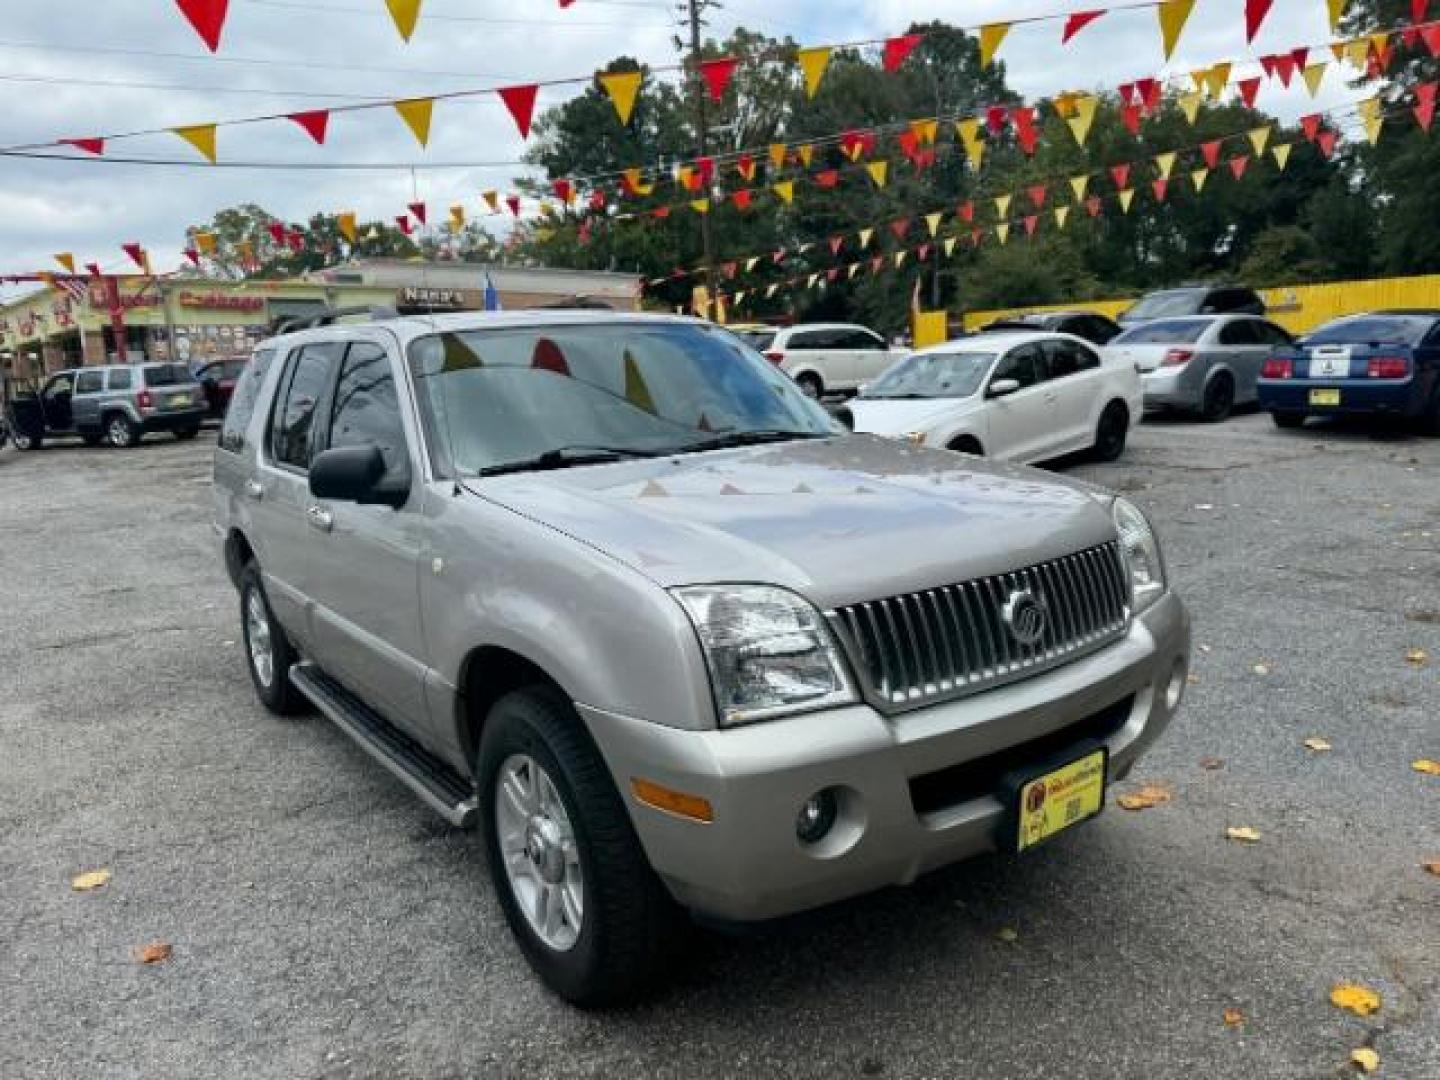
(614, 589)
(117, 403)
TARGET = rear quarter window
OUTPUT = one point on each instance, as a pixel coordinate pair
(1165, 332)
(166, 375)
(243, 401)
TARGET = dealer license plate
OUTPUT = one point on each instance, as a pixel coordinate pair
(1324, 397)
(1056, 800)
(177, 400)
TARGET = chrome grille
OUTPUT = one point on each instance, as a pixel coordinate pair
(953, 640)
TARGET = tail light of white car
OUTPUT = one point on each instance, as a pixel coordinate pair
(1278, 367)
(775, 357)
(1177, 357)
(1387, 367)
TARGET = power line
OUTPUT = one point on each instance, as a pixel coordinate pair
(59, 80)
(549, 24)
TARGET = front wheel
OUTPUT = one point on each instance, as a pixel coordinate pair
(1111, 432)
(25, 442)
(121, 431)
(1219, 399)
(1288, 419)
(589, 913)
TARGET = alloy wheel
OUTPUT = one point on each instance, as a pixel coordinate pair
(262, 652)
(540, 852)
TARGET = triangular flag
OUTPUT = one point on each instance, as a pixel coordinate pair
(1425, 104)
(966, 211)
(1130, 116)
(1126, 197)
(949, 245)
(1037, 196)
(900, 226)
(1357, 52)
(813, 62)
(1259, 139)
(1197, 177)
(990, 38)
(751, 263)
(622, 87)
(969, 132)
(1077, 22)
(700, 206)
(1002, 232)
(1030, 221)
(1281, 153)
(717, 74)
(417, 113)
(1002, 206)
(1062, 215)
(1159, 187)
(457, 218)
(1173, 16)
(778, 151)
(925, 131)
(520, 100)
(742, 198)
(1325, 140)
(1418, 10)
(277, 231)
(1078, 184)
(900, 258)
(66, 260)
(746, 168)
(492, 199)
(1121, 175)
(1165, 163)
(207, 17)
(1217, 78)
(1238, 164)
(193, 256)
(897, 49)
(1314, 75)
(201, 137)
(1190, 105)
(206, 241)
(1369, 110)
(1431, 34)
(513, 202)
(878, 171)
(315, 123)
(1084, 116)
(932, 222)
(1211, 152)
(418, 208)
(1285, 68)
(1249, 90)
(1337, 11)
(836, 243)
(805, 152)
(90, 146)
(1255, 12)
(828, 178)
(1310, 125)
(403, 224)
(636, 392)
(786, 190)
(405, 13)
(136, 253)
(865, 235)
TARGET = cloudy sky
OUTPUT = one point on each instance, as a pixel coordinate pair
(78, 68)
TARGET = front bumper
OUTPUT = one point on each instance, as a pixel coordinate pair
(748, 863)
(1400, 397)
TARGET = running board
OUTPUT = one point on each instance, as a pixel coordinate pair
(438, 785)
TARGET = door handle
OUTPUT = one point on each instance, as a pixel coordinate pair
(254, 489)
(320, 518)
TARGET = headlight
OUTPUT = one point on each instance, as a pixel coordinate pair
(915, 437)
(1141, 552)
(769, 652)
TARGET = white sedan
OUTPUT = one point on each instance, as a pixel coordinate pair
(1015, 396)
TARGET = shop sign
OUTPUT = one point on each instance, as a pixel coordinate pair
(441, 299)
(214, 301)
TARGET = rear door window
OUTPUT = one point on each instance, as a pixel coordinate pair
(1068, 358)
(1025, 365)
(120, 378)
(166, 375)
(242, 402)
(89, 382)
(1239, 332)
(303, 386)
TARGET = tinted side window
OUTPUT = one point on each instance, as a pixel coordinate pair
(858, 340)
(1024, 365)
(304, 384)
(89, 382)
(1067, 358)
(812, 339)
(1271, 334)
(242, 402)
(367, 408)
(1240, 332)
(1098, 331)
(120, 378)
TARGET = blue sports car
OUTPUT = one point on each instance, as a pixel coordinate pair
(1383, 363)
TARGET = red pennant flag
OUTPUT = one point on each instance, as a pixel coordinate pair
(1249, 88)
(1267, 64)
(1255, 12)
(191, 254)
(1381, 57)
(136, 253)
(583, 235)
(729, 270)
(1300, 57)
(296, 241)
(315, 123)
(660, 212)
(548, 357)
(1325, 140)
(1092, 205)
(563, 190)
(746, 167)
(1127, 92)
(1037, 195)
(418, 209)
(836, 242)
(1285, 68)
(93, 269)
(513, 202)
(966, 210)
(1121, 175)
(1238, 164)
(922, 252)
(705, 169)
(598, 201)
(1425, 104)
(1310, 125)
(778, 256)
(828, 178)
(876, 263)
(898, 48)
(1149, 91)
(742, 198)
(90, 146)
(1159, 186)
(832, 273)
(924, 159)
(1077, 22)
(900, 226)
(1431, 34)
(717, 74)
(207, 17)
(1211, 152)
(909, 143)
(1411, 36)
(403, 224)
(852, 144)
(995, 118)
(1024, 120)
(1030, 221)
(1417, 10)
(520, 100)
(277, 232)
(1130, 116)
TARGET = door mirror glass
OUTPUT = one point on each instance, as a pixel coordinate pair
(355, 474)
(1001, 387)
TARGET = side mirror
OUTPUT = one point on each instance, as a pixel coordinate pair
(356, 474)
(1001, 387)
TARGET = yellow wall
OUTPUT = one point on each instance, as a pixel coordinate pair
(929, 328)
(1298, 308)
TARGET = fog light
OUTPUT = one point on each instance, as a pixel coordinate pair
(817, 816)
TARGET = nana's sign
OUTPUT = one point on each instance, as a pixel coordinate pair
(441, 299)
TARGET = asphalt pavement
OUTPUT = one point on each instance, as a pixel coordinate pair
(325, 924)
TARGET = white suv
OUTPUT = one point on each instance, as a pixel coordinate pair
(828, 357)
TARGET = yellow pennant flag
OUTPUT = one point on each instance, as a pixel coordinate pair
(66, 260)
(684, 175)
(1062, 215)
(457, 218)
(777, 154)
(1064, 104)
(740, 297)
(854, 269)
(636, 392)
(1083, 118)
(346, 223)
(806, 152)
(1337, 50)
(771, 290)
(990, 38)
(1197, 78)
(1002, 232)
(1281, 151)
(1173, 16)
(492, 198)
(932, 222)
(751, 263)
(969, 132)
(900, 258)
(878, 171)
(623, 87)
(1369, 110)
(205, 243)
(1190, 105)
(949, 246)
(1197, 177)
(786, 190)
(405, 13)
(201, 137)
(1259, 139)
(925, 131)
(416, 112)
(1216, 79)
(1164, 163)
(813, 62)
(865, 235)
(1314, 75)
(1337, 12)
(1078, 184)
(1126, 197)
(1002, 206)
(700, 206)
(1358, 53)
(810, 281)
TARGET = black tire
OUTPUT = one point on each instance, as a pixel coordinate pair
(186, 434)
(1430, 421)
(1219, 399)
(1111, 432)
(1288, 419)
(25, 443)
(810, 385)
(120, 431)
(629, 925)
(277, 693)
(92, 438)
(967, 444)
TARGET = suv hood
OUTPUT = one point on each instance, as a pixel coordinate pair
(837, 520)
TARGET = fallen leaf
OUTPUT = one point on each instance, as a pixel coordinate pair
(1233, 1017)
(1212, 763)
(90, 880)
(1261, 669)
(1360, 1000)
(157, 952)
(1425, 765)
(1143, 799)
(1243, 833)
(1319, 745)
(1007, 935)
(1432, 867)
(1417, 657)
(1192, 679)
(1365, 1059)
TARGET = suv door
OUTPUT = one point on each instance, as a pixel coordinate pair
(284, 535)
(86, 399)
(1019, 425)
(1076, 381)
(363, 561)
(55, 401)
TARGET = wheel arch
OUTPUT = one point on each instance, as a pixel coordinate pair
(488, 673)
(238, 552)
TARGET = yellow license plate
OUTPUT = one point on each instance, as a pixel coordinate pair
(1052, 803)
(1324, 397)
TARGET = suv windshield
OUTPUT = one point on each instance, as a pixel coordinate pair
(1170, 332)
(1373, 329)
(937, 375)
(166, 375)
(1165, 304)
(500, 398)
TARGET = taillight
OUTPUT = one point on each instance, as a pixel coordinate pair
(775, 357)
(1388, 367)
(144, 400)
(1177, 357)
(1278, 367)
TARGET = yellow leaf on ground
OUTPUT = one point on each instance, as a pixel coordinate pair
(1212, 763)
(1192, 679)
(1432, 867)
(1365, 1059)
(1243, 833)
(1318, 744)
(90, 880)
(157, 952)
(1360, 1000)
(1143, 799)
(1425, 765)
(1007, 935)
(1261, 669)
(1234, 1017)
(1418, 657)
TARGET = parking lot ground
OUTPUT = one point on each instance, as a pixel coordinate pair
(325, 924)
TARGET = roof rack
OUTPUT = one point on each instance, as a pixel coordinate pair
(330, 316)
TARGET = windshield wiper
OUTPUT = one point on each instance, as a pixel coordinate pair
(563, 457)
(725, 440)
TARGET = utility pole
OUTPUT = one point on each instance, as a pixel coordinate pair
(694, 8)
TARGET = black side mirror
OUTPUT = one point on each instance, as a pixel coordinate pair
(356, 474)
